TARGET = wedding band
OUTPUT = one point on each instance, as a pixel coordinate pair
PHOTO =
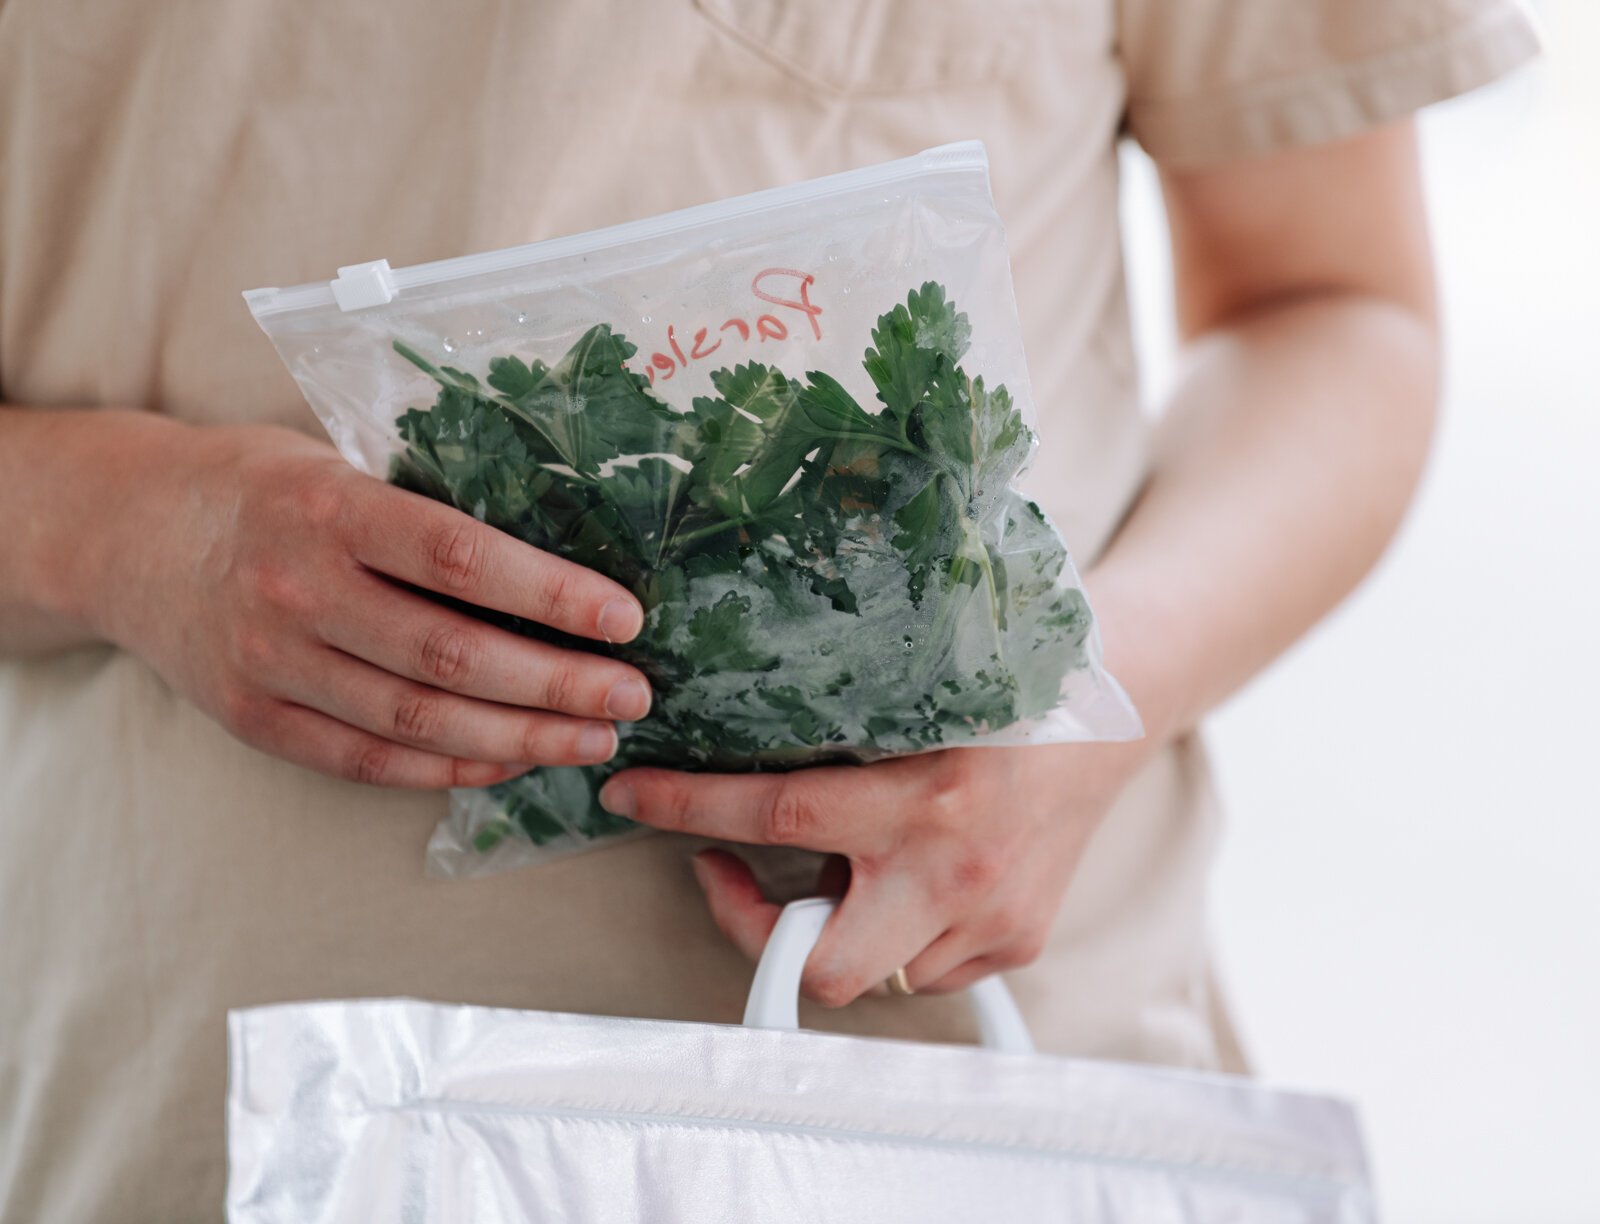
(898, 983)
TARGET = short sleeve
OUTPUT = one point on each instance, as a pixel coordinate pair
(1210, 80)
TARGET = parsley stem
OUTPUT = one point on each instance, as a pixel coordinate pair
(888, 439)
(701, 533)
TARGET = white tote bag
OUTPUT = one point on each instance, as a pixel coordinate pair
(393, 1110)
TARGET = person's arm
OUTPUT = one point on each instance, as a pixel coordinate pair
(1295, 435)
(276, 587)
(54, 465)
(1290, 447)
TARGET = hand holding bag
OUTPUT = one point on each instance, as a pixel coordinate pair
(793, 424)
(394, 1110)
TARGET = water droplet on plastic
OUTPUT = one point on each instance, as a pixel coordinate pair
(846, 289)
(909, 643)
(832, 258)
(449, 345)
(522, 316)
(825, 649)
(644, 318)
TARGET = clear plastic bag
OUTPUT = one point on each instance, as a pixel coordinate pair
(791, 422)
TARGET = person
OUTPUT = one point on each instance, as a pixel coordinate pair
(225, 720)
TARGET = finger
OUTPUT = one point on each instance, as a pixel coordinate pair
(413, 637)
(393, 708)
(951, 950)
(882, 924)
(829, 808)
(329, 746)
(1011, 936)
(957, 959)
(428, 544)
(962, 976)
(738, 907)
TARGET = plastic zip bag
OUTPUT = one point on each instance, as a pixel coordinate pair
(791, 422)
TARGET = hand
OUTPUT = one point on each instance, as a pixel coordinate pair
(267, 580)
(957, 860)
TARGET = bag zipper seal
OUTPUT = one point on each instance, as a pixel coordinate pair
(374, 283)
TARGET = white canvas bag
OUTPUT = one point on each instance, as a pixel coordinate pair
(418, 1113)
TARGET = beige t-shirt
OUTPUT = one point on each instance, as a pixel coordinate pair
(155, 159)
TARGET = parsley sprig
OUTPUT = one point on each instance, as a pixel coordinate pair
(820, 581)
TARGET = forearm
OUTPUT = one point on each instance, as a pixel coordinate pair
(1287, 455)
(65, 477)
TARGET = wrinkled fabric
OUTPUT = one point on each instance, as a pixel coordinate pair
(366, 1112)
(156, 159)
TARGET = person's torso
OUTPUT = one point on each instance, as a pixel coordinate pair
(159, 159)
(162, 158)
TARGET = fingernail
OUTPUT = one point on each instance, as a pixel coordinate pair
(617, 798)
(701, 871)
(597, 742)
(628, 699)
(620, 620)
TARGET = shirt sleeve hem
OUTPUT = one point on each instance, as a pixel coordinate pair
(1337, 102)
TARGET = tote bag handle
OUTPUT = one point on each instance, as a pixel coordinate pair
(775, 993)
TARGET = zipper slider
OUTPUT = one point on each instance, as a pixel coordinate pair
(363, 284)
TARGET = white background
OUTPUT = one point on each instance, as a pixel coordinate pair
(1408, 903)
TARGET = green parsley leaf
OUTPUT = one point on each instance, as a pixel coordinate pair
(821, 582)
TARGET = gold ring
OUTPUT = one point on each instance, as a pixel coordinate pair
(898, 983)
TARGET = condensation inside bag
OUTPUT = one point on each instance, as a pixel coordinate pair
(792, 423)
(376, 1111)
